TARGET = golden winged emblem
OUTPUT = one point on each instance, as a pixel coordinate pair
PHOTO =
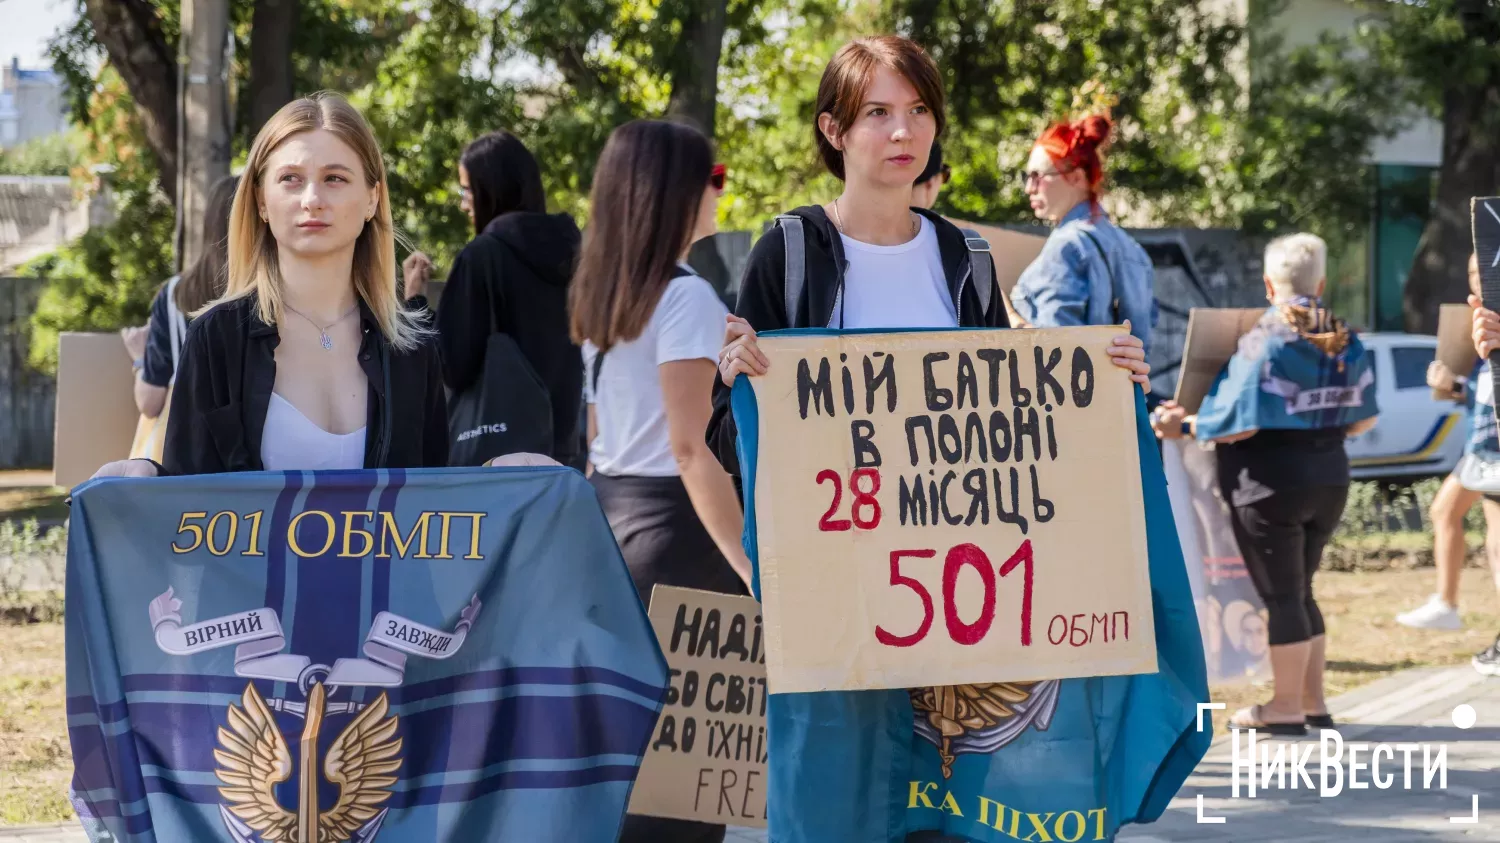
(980, 718)
(254, 757)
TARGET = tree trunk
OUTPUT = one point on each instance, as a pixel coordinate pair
(204, 152)
(271, 79)
(131, 35)
(1470, 156)
(1471, 161)
(695, 77)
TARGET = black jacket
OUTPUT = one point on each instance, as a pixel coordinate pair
(763, 294)
(513, 278)
(228, 369)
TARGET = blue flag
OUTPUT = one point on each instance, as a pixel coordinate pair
(1299, 368)
(1076, 759)
(435, 655)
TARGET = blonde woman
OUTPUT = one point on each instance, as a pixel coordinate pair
(309, 360)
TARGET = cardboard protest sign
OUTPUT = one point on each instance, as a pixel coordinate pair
(1484, 217)
(96, 413)
(707, 760)
(1213, 334)
(1455, 345)
(1012, 251)
(946, 508)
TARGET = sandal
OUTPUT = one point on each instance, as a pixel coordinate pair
(1321, 721)
(1250, 718)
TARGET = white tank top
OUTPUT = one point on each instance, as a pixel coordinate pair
(292, 442)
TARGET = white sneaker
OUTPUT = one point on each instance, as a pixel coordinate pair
(1434, 614)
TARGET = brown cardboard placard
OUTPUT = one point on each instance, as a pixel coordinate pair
(1455, 344)
(96, 413)
(903, 542)
(713, 646)
(1012, 251)
(1213, 335)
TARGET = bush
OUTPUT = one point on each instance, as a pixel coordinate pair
(32, 567)
(1387, 524)
(53, 155)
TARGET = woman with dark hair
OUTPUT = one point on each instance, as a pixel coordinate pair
(1089, 272)
(511, 279)
(650, 330)
(871, 259)
(179, 299)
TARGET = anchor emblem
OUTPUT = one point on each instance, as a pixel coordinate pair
(254, 757)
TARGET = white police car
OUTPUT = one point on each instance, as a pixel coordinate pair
(1417, 435)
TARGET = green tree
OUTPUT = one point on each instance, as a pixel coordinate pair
(107, 277)
(53, 155)
(1443, 57)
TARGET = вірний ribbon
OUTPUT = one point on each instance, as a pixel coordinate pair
(256, 634)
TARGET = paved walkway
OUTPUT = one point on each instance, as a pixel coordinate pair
(1413, 707)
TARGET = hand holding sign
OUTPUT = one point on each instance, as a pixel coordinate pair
(947, 508)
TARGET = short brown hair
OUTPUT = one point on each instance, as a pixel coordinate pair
(849, 75)
(648, 187)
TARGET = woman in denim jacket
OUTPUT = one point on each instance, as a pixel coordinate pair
(1089, 272)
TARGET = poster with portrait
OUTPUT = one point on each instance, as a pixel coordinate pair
(1230, 613)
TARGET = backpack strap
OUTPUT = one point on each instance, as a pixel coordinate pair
(983, 265)
(1114, 290)
(796, 262)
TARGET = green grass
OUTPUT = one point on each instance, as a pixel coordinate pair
(34, 762)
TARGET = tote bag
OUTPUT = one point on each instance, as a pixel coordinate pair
(507, 410)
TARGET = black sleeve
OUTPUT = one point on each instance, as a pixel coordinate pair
(761, 303)
(463, 321)
(157, 370)
(189, 447)
(435, 432)
(996, 316)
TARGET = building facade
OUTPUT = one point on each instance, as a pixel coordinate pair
(31, 104)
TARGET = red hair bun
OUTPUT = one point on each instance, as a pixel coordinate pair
(1079, 146)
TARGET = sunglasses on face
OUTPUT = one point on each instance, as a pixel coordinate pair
(719, 176)
(1028, 176)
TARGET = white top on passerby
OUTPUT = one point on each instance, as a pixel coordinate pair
(633, 440)
(293, 442)
(896, 286)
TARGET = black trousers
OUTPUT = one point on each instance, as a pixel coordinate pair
(663, 542)
(1282, 539)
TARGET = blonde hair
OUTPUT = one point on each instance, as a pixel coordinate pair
(1296, 264)
(254, 266)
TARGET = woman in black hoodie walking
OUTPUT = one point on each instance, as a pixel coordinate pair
(512, 278)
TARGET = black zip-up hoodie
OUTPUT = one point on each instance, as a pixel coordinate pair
(513, 278)
(762, 300)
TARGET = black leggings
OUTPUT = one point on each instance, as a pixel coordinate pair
(1282, 539)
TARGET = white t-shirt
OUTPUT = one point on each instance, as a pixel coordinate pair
(896, 286)
(633, 440)
(292, 442)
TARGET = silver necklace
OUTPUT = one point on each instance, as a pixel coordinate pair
(323, 337)
(838, 220)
